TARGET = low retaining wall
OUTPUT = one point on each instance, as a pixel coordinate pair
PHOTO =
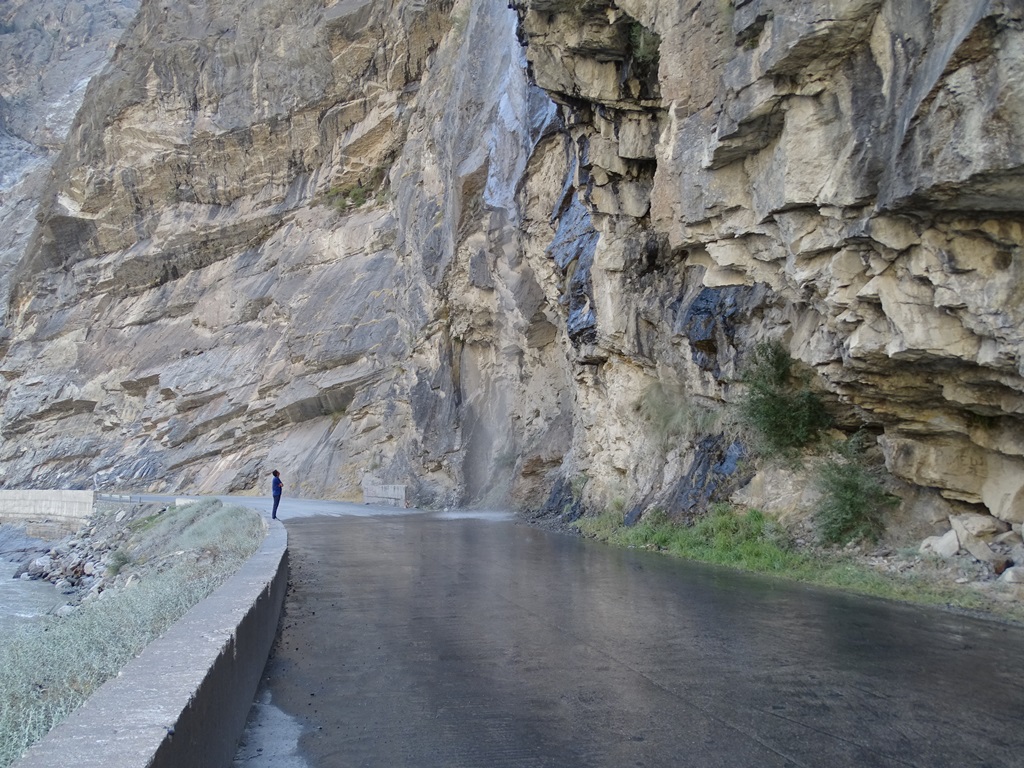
(55, 511)
(375, 492)
(185, 699)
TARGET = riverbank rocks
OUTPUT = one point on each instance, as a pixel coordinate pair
(39, 567)
(82, 566)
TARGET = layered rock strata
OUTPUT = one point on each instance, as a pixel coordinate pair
(356, 238)
(852, 170)
(244, 258)
(49, 51)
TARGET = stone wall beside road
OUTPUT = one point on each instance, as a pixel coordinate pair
(184, 700)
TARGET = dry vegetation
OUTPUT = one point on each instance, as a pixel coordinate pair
(168, 562)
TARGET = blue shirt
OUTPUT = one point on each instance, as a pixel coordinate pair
(276, 486)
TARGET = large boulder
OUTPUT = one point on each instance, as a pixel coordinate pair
(1014, 575)
(945, 546)
(969, 541)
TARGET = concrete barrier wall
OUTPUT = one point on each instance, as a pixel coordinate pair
(392, 495)
(62, 510)
(184, 701)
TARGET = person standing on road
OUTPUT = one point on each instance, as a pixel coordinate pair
(275, 490)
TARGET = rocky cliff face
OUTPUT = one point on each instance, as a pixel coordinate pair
(484, 251)
(48, 53)
(852, 171)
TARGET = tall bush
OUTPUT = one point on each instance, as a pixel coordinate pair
(674, 416)
(779, 404)
(853, 499)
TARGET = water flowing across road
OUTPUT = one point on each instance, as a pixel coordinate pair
(470, 640)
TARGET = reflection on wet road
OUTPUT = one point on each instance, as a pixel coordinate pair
(433, 640)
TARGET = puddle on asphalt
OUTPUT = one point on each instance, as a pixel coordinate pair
(270, 738)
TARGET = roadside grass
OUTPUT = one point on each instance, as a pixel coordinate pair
(49, 668)
(750, 541)
(208, 530)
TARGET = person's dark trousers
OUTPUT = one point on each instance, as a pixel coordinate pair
(277, 500)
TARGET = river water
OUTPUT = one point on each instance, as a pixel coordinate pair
(21, 601)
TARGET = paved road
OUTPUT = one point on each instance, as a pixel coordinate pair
(291, 508)
(432, 640)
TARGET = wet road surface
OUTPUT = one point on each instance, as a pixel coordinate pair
(429, 640)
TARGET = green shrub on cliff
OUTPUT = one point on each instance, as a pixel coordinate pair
(372, 184)
(853, 499)
(779, 405)
(644, 45)
(343, 198)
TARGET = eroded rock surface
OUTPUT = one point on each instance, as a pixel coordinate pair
(49, 51)
(384, 237)
(856, 166)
